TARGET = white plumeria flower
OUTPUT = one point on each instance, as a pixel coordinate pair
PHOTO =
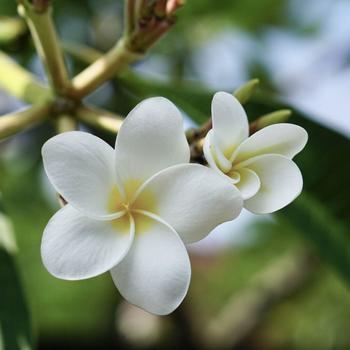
(260, 166)
(130, 210)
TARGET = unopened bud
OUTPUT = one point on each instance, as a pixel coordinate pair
(245, 91)
(280, 116)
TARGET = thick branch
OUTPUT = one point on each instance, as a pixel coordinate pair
(20, 83)
(42, 28)
(99, 118)
(13, 123)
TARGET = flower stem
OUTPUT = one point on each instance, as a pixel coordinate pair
(99, 118)
(129, 16)
(42, 28)
(143, 27)
(13, 123)
(20, 83)
(103, 69)
(66, 123)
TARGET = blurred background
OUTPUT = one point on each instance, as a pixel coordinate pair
(260, 282)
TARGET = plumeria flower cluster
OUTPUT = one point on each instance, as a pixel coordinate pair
(132, 209)
(260, 165)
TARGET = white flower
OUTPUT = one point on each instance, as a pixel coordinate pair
(130, 210)
(260, 166)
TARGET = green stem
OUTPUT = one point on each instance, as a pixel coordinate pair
(275, 117)
(46, 42)
(66, 123)
(13, 123)
(129, 16)
(81, 52)
(103, 69)
(99, 118)
(20, 83)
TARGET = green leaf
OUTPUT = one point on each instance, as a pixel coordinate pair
(15, 326)
(315, 222)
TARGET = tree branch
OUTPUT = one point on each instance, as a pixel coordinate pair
(103, 69)
(99, 118)
(38, 16)
(66, 123)
(13, 123)
(20, 83)
(143, 27)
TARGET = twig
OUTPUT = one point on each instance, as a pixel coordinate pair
(129, 16)
(38, 16)
(66, 123)
(143, 27)
(99, 118)
(102, 69)
(13, 123)
(20, 83)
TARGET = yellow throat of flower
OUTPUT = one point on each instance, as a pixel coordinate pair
(146, 201)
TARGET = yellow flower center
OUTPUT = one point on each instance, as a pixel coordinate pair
(145, 201)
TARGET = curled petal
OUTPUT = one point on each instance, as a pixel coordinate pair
(75, 247)
(281, 182)
(249, 183)
(212, 153)
(156, 272)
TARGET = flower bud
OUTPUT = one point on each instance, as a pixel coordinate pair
(245, 91)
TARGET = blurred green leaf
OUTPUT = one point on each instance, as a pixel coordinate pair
(58, 307)
(15, 325)
(321, 214)
(315, 222)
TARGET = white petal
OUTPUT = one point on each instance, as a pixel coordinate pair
(208, 152)
(224, 164)
(193, 199)
(212, 153)
(156, 272)
(230, 123)
(281, 182)
(151, 139)
(212, 162)
(76, 247)
(284, 139)
(81, 168)
(248, 184)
